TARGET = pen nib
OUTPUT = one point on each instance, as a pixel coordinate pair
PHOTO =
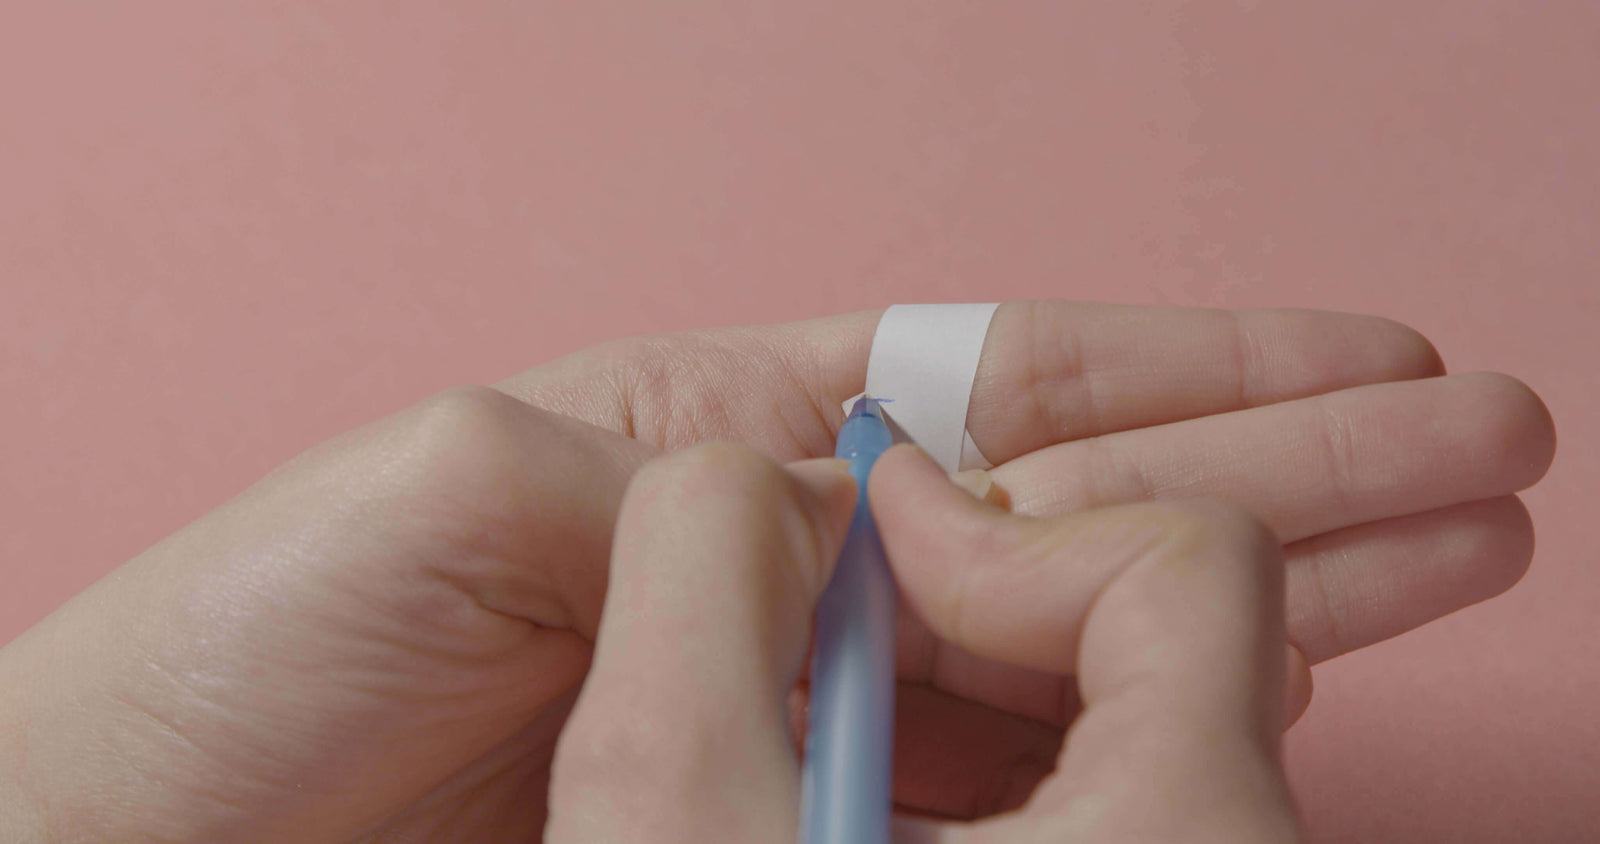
(866, 406)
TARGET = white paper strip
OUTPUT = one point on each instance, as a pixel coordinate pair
(924, 360)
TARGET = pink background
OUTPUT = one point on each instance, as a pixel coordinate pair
(229, 230)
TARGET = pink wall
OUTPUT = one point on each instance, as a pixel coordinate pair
(228, 230)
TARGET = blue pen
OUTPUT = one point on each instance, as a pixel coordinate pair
(845, 795)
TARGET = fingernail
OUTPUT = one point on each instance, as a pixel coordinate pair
(975, 481)
(921, 453)
(827, 477)
(982, 486)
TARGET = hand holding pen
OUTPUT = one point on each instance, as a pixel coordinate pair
(383, 639)
(1171, 616)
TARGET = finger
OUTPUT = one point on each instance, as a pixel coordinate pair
(957, 758)
(1055, 372)
(962, 760)
(1346, 590)
(954, 757)
(680, 733)
(986, 580)
(1174, 618)
(1315, 465)
(980, 485)
(1356, 568)
(982, 581)
(1051, 371)
(1354, 587)
(1181, 670)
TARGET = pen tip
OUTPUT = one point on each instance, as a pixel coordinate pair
(866, 406)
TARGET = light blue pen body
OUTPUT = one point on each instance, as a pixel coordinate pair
(850, 732)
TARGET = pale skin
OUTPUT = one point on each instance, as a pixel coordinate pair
(385, 639)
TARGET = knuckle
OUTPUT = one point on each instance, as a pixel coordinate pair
(465, 444)
(463, 412)
(464, 422)
(675, 385)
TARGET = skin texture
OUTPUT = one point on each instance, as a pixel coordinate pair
(384, 639)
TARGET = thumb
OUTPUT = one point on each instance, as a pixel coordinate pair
(681, 732)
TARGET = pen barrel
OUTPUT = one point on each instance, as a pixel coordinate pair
(845, 794)
(850, 734)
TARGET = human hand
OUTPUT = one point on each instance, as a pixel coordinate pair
(1391, 483)
(1170, 615)
(382, 637)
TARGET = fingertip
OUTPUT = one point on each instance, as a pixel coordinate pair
(927, 521)
(908, 459)
(907, 480)
(1512, 421)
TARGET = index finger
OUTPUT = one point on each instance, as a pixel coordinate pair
(1171, 615)
(1051, 371)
